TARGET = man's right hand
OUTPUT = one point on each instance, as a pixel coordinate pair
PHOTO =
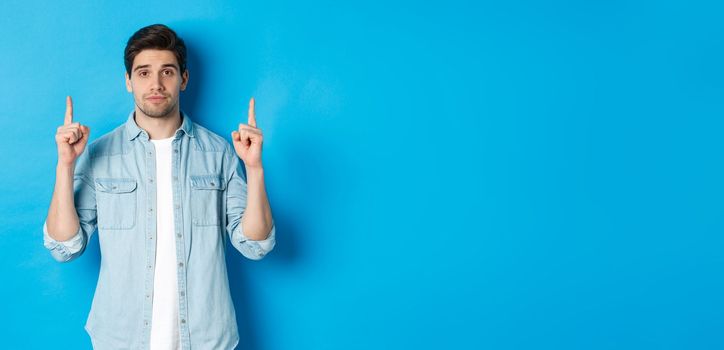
(71, 137)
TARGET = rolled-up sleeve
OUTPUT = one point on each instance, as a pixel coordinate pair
(63, 251)
(254, 250)
(84, 198)
(236, 200)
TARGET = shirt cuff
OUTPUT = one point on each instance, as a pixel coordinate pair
(63, 250)
(255, 249)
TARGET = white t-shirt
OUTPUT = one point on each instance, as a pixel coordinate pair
(165, 320)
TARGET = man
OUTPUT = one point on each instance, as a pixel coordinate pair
(161, 190)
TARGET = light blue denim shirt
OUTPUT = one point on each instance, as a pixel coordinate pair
(115, 192)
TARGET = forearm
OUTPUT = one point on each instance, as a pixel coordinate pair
(62, 221)
(257, 219)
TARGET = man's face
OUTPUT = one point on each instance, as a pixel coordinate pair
(156, 82)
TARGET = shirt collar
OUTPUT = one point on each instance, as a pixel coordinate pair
(133, 130)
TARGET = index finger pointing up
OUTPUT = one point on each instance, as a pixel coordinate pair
(68, 111)
(252, 115)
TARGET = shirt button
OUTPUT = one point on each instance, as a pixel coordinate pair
(183, 320)
(178, 235)
(149, 266)
(175, 178)
(175, 151)
(178, 206)
(148, 296)
(180, 264)
(145, 322)
(181, 293)
(212, 184)
(150, 180)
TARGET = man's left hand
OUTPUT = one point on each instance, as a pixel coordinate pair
(247, 140)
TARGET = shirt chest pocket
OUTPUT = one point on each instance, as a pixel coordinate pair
(206, 200)
(116, 203)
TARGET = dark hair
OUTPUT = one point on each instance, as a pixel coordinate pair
(155, 36)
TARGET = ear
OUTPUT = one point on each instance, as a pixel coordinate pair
(184, 79)
(129, 87)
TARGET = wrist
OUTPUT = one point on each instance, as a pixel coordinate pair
(254, 170)
(65, 167)
(254, 175)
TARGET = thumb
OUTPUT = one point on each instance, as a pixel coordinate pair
(85, 133)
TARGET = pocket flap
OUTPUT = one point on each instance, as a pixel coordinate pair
(115, 185)
(207, 182)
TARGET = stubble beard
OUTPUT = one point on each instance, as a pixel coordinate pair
(152, 112)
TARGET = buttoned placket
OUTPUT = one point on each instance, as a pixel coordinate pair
(180, 241)
(150, 173)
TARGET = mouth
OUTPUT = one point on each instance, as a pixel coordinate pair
(156, 99)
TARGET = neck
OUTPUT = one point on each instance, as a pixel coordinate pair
(161, 127)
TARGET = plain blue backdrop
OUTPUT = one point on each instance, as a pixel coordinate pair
(451, 175)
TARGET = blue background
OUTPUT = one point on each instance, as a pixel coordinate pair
(452, 175)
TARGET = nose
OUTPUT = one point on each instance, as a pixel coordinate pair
(156, 83)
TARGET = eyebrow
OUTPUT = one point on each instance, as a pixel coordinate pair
(148, 65)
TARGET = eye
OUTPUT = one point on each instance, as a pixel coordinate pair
(168, 72)
(143, 73)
